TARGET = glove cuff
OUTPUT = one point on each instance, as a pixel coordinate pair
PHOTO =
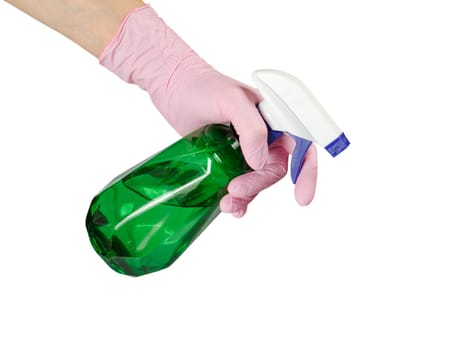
(148, 53)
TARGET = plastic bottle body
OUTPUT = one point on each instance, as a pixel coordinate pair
(146, 218)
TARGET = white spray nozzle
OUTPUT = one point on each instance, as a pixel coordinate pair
(289, 106)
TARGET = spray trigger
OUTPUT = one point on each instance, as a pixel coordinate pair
(288, 106)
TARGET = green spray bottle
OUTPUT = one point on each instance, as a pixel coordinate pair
(144, 219)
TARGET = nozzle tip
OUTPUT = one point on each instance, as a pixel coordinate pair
(338, 145)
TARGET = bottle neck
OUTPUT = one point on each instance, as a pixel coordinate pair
(224, 145)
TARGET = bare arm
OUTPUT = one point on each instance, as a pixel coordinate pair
(89, 23)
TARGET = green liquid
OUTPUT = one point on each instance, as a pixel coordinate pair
(146, 218)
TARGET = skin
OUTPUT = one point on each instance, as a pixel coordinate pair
(89, 23)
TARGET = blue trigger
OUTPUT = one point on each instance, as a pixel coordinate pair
(298, 156)
(273, 135)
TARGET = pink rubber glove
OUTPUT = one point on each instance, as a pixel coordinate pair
(190, 94)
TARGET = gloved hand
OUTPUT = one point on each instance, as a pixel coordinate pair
(244, 188)
(190, 94)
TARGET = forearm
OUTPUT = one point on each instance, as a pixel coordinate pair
(89, 23)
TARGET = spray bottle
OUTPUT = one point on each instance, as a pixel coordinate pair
(144, 219)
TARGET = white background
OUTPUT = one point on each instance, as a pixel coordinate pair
(377, 261)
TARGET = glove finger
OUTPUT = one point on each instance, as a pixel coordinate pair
(305, 186)
(248, 185)
(233, 205)
(306, 183)
(250, 127)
